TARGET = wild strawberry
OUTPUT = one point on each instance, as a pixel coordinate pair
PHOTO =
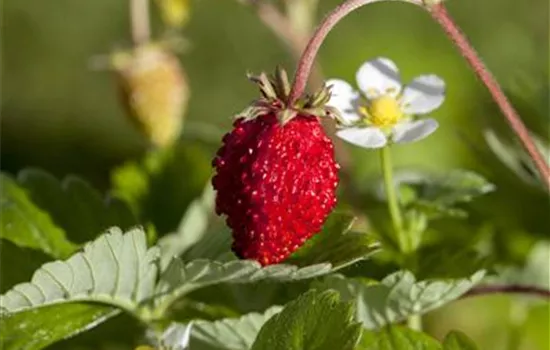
(154, 91)
(276, 174)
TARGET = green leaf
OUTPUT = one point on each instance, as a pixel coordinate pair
(516, 158)
(116, 333)
(452, 188)
(182, 278)
(175, 337)
(402, 338)
(335, 244)
(230, 333)
(75, 205)
(397, 296)
(179, 173)
(214, 245)
(27, 261)
(192, 227)
(437, 196)
(115, 269)
(447, 260)
(397, 338)
(40, 327)
(315, 320)
(23, 224)
(456, 340)
(535, 272)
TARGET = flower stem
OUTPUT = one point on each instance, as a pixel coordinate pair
(139, 17)
(440, 14)
(308, 56)
(393, 204)
(414, 321)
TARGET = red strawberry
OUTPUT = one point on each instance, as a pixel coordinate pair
(276, 178)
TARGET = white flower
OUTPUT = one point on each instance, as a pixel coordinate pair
(383, 111)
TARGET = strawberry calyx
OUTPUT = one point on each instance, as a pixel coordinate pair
(275, 91)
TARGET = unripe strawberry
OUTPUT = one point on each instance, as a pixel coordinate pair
(276, 176)
(154, 91)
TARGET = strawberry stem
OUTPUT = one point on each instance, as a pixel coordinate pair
(308, 56)
(440, 14)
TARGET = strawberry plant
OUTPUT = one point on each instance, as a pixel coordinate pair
(275, 242)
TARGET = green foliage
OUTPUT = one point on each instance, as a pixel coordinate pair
(458, 341)
(437, 196)
(427, 199)
(517, 159)
(397, 338)
(120, 332)
(27, 261)
(116, 269)
(535, 272)
(313, 321)
(445, 260)
(181, 278)
(178, 173)
(452, 188)
(175, 337)
(74, 205)
(336, 244)
(36, 328)
(25, 225)
(230, 333)
(198, 281)
(401, 338)
(191, 229)
(397, 296)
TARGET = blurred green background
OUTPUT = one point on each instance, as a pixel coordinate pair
(61, 115)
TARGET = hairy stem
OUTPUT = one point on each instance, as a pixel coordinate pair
(509, 289)
(139, 17)
(413, 321)
(391, 197)
(308, 56)
(440, 14)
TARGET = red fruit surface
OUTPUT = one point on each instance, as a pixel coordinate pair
(276, 184)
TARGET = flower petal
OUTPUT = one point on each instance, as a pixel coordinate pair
(424, 94)
(345, 99)
(377, 77)
(413, 131)
(369, 137)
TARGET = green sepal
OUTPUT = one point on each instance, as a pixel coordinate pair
(275, 90)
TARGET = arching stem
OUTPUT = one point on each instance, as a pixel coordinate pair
(440, 14)
(308, 56)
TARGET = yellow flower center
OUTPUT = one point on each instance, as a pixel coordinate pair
(383, 111)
